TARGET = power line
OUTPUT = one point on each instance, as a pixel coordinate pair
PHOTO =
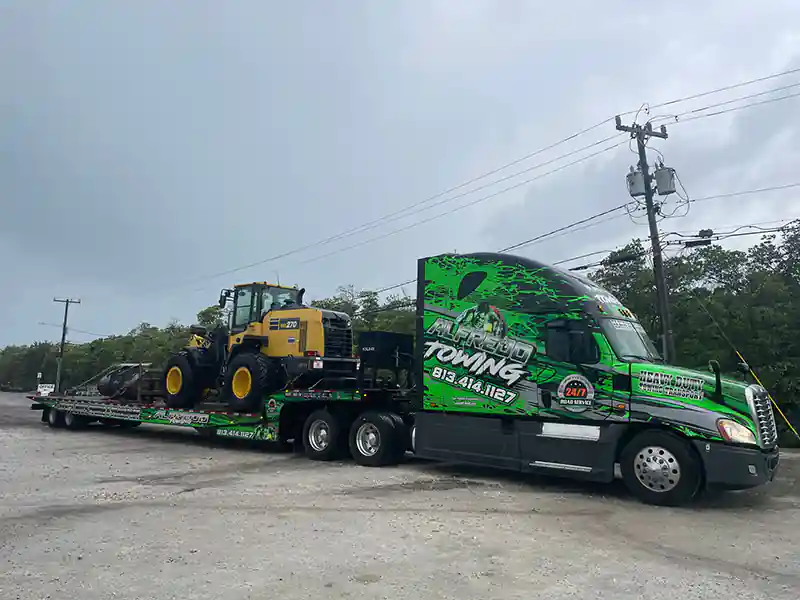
(721, 89)
(405, 211)
(736, 108)
(467, 205)
(725, 102)
(564, 228)
(446, 213)
(370, 240)
(76, 330)
(773, 188)
(587, 222)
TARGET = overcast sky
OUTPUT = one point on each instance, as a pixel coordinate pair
(147, 145)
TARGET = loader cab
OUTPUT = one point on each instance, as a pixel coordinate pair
(252, 301)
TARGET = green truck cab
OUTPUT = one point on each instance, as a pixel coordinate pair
(531, 368)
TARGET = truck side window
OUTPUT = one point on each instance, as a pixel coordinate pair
(571, 342)
(583, 348)
(557, 344)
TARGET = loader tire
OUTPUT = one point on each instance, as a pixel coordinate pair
(180, 382)
(247, 381)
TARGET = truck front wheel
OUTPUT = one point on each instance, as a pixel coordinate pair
(660, 468)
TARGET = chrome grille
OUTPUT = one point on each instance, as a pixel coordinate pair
(764, 418)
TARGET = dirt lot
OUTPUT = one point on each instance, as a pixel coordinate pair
(157, 513)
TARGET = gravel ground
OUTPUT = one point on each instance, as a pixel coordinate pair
(162, 513)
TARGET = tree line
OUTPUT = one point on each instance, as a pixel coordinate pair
(722, 301)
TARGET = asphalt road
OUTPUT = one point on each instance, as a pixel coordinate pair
(159, 513)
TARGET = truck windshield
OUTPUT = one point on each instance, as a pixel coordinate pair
(629, 340)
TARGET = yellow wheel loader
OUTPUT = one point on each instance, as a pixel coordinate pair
(273, 341)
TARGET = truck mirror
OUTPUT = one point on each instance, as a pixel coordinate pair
(744, 368)
(222, 299)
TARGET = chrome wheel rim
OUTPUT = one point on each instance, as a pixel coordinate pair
(657, 469)
(319, 435)
(368, 439)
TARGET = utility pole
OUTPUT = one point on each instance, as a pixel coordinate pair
(641, 133)
(66, 302)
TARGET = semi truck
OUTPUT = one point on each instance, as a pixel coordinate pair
(514, 364)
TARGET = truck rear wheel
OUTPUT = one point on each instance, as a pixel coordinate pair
(247, 380)
(660, 468)
(376, 439)
(402, 436)
(322, 436)
(180, 385)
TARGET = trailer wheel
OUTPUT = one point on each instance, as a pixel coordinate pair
(374, 439)
(322, 436)
(73, 421)
(180, 385)
(55, 418)
(660, 468)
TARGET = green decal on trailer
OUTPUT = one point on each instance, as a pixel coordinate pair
(262, 433)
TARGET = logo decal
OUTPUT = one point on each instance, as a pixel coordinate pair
(478, 351)
(576, 393)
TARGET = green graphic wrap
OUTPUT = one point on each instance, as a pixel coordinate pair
(487, 323)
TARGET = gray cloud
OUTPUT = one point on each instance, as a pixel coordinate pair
(145, 144)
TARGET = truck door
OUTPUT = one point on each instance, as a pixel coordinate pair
(581, 413)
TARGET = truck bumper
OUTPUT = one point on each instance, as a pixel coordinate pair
(737, 468)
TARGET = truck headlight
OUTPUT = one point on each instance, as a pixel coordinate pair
(735, 432)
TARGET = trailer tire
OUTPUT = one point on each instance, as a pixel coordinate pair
(255, 371)
(660, 468)
(73, 421)
(180, 382)
(55, 418)
(322, 436)
(374, 439)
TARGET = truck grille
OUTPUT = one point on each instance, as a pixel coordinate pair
(764, 418)
(338, 340)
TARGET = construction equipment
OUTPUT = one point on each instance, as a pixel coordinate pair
(272, 341)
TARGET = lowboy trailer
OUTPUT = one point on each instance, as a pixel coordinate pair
(516, 365)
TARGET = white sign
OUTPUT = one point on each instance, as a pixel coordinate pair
(45, 389)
